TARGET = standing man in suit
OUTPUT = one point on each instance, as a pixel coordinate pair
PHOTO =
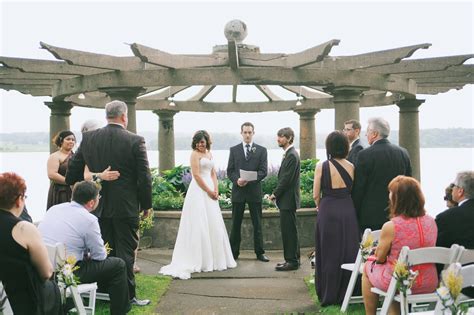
(352, 131)
(287, 197)
(376, 166)
(456, 225)
(124, 198)
(247, 156)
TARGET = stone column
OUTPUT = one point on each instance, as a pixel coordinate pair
(59, 120)
(129, 96)
(307, 133)
(346, 105)
(409, 132)
(165, 139)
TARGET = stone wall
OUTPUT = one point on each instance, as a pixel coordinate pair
(167, 222)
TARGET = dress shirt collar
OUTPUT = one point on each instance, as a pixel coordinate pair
(113, 123)
(462, 201)
(244, 145)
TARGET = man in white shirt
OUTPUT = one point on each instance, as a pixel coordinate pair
(72, 224)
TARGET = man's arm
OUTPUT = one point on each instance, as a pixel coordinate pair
(231, 171)
(263, 166)
(93, 241)
(75, 169)
(360, 182)
(444, 239)
(143, 175)
(287, 173)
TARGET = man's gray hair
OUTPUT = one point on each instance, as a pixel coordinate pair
(465, 180)
(90, 125)
(115, 109)
(380, 125)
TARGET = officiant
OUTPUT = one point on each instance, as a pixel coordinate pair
(251, 157)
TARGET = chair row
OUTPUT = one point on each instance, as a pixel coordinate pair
(439, 255)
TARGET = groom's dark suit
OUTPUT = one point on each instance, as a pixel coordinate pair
(356, 147)
(123, 198)
(287, 195)
(250, 193)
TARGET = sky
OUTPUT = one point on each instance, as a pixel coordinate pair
(275, 26)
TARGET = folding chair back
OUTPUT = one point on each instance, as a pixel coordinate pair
(467, 274)
(355, 271)
(57, 255)
(425, 255)
(466, 256)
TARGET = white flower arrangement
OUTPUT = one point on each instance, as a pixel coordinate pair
(367, 247)
(254, 149)
(450, 289)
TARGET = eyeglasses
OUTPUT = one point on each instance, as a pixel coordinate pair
(99, 196)
(347, 129)
(23, 196)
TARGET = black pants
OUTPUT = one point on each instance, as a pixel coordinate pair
(111, 275)
(289, 236)
(122, 236)
(238, 209)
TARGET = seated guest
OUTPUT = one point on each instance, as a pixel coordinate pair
(25, 268)
(448, 197)
(409, 226)
(456, 225)
(72, 224)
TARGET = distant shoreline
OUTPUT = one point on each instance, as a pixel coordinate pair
(429, 138)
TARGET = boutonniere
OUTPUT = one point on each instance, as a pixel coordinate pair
(253, 149)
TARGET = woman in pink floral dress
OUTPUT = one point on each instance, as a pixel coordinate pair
(409, 226)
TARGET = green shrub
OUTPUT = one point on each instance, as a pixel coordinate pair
(269, 184)
(306, 200)
(167, 201)
(225, 186)
(175, 176)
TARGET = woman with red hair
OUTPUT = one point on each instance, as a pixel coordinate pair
(24, 264)
(409, 226)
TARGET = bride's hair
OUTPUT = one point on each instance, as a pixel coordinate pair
(198, 136)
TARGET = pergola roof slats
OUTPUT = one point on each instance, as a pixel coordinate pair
(268, 93)
(372, 59)
(10, 73)
(171, 61)
(82, 58)
(47, 66)
(167, 92)
(205, 90)
(423, 65)
(305, 92)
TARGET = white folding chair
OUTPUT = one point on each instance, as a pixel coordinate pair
(467, 274)
(466, 256)
(437, 255)
(354, 268)
(5, 308)
(57, 255)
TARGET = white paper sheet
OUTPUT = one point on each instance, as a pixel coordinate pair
(248, 175)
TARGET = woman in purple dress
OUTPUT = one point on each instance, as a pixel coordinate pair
(337, 230)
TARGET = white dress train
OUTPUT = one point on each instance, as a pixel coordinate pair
(202, 243)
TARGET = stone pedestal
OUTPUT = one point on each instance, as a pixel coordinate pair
(129, 97)
(409, 132)
(346, 105)
(307, 133)
(165, 139)
(58, 121)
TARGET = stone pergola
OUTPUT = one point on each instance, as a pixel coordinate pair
(150, 79)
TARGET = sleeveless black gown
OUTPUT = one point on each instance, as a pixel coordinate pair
(337, 237)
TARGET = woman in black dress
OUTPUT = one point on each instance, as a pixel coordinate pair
(337, 230)
(59, 191)
(24, 264)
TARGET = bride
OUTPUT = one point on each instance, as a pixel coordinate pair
(202, 243)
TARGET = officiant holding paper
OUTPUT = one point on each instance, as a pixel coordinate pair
(246, 169)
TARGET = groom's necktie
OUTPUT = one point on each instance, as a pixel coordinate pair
(247, 151)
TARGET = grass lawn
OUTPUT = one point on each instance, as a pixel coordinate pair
(148, 287)
(357, 309)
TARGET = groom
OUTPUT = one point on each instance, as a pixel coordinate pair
(247, 156)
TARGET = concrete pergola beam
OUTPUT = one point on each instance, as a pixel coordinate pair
(33, 90)
(225, 76)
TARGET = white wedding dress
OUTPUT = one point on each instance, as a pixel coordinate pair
(202, 243)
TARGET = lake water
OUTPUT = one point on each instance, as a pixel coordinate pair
(438, 168)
